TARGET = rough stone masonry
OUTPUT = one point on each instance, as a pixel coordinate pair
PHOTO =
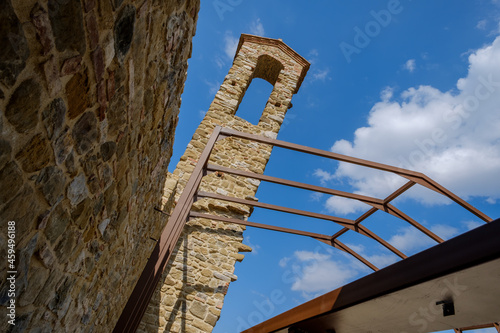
(89, 98)
(191, 292)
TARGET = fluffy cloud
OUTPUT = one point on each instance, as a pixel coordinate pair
(230, 44)
(256, 28)
(410, 65)
(316, 273)
(453, 137)
(410, 240)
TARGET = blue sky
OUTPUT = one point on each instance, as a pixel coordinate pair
(418, 87)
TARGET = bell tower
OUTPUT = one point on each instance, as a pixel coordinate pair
(191, 292)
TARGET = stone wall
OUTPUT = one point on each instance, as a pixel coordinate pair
(191, 293)
(90, 94)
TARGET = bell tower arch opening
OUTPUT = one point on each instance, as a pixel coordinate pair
(266, 72)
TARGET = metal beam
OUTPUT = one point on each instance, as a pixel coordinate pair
(363, 198)
(322, 153)
(259, 225)
(323, 238)
(339, 220)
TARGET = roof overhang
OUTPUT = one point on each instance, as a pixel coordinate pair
(402, 297)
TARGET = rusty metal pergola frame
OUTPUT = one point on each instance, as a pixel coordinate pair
(478, 327)
(141, 295)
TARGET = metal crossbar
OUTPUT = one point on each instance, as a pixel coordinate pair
(141, 295)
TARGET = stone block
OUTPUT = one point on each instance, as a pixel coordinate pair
(66, 18)
(35, 155)
(53, 117)
(124, 30)
(58, 222)
(51, 183)
(77, 190)
(78, 93)
(85, 132)
(11, 180)
(15, 50)
(23, 107)
(71, 65)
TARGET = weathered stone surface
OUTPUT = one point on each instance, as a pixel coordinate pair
(11, 180)
(77, 190)
(35, 155)
(66, 245)
(198, 309)
(53, 117)
(116, 118)
(51, 71)
(22, 208)
(62, 298)
(78, 90)
(46, 256)
(66, 18)
(51, 182)
(15, 49)
(62, 149)
(82, 213)
(107, 150)
(23, 264)
(37, 277)
(22, 110)
(85, 132)
(71, 65)
(91, 166)
(124, 30)
(41, 21)
(58, 222)
(5, 152)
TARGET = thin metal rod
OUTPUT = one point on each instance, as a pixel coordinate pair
(258, 225)
(396, 212)
(347, 249)
(366, 199)
(417, 177)
(319, 152)
(360, 229)
(436, 187)
(335, 219)
(478, 327)
(324, 238)
(365, 231)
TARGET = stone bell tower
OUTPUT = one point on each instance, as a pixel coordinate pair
(191, 292)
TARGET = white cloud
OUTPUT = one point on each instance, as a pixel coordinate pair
(481, 25)
(256, 28)
(452, 137)
(410, 65)
(321, 75)
(317, 273)
(316, 196)
(284, 262)
(313, 53)
(379, 260)
(472, 224)
(386, 94)
(324, 176)
(230, 44)
(255, 247)
(410, 239)
(213, 87)
(344, 206)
